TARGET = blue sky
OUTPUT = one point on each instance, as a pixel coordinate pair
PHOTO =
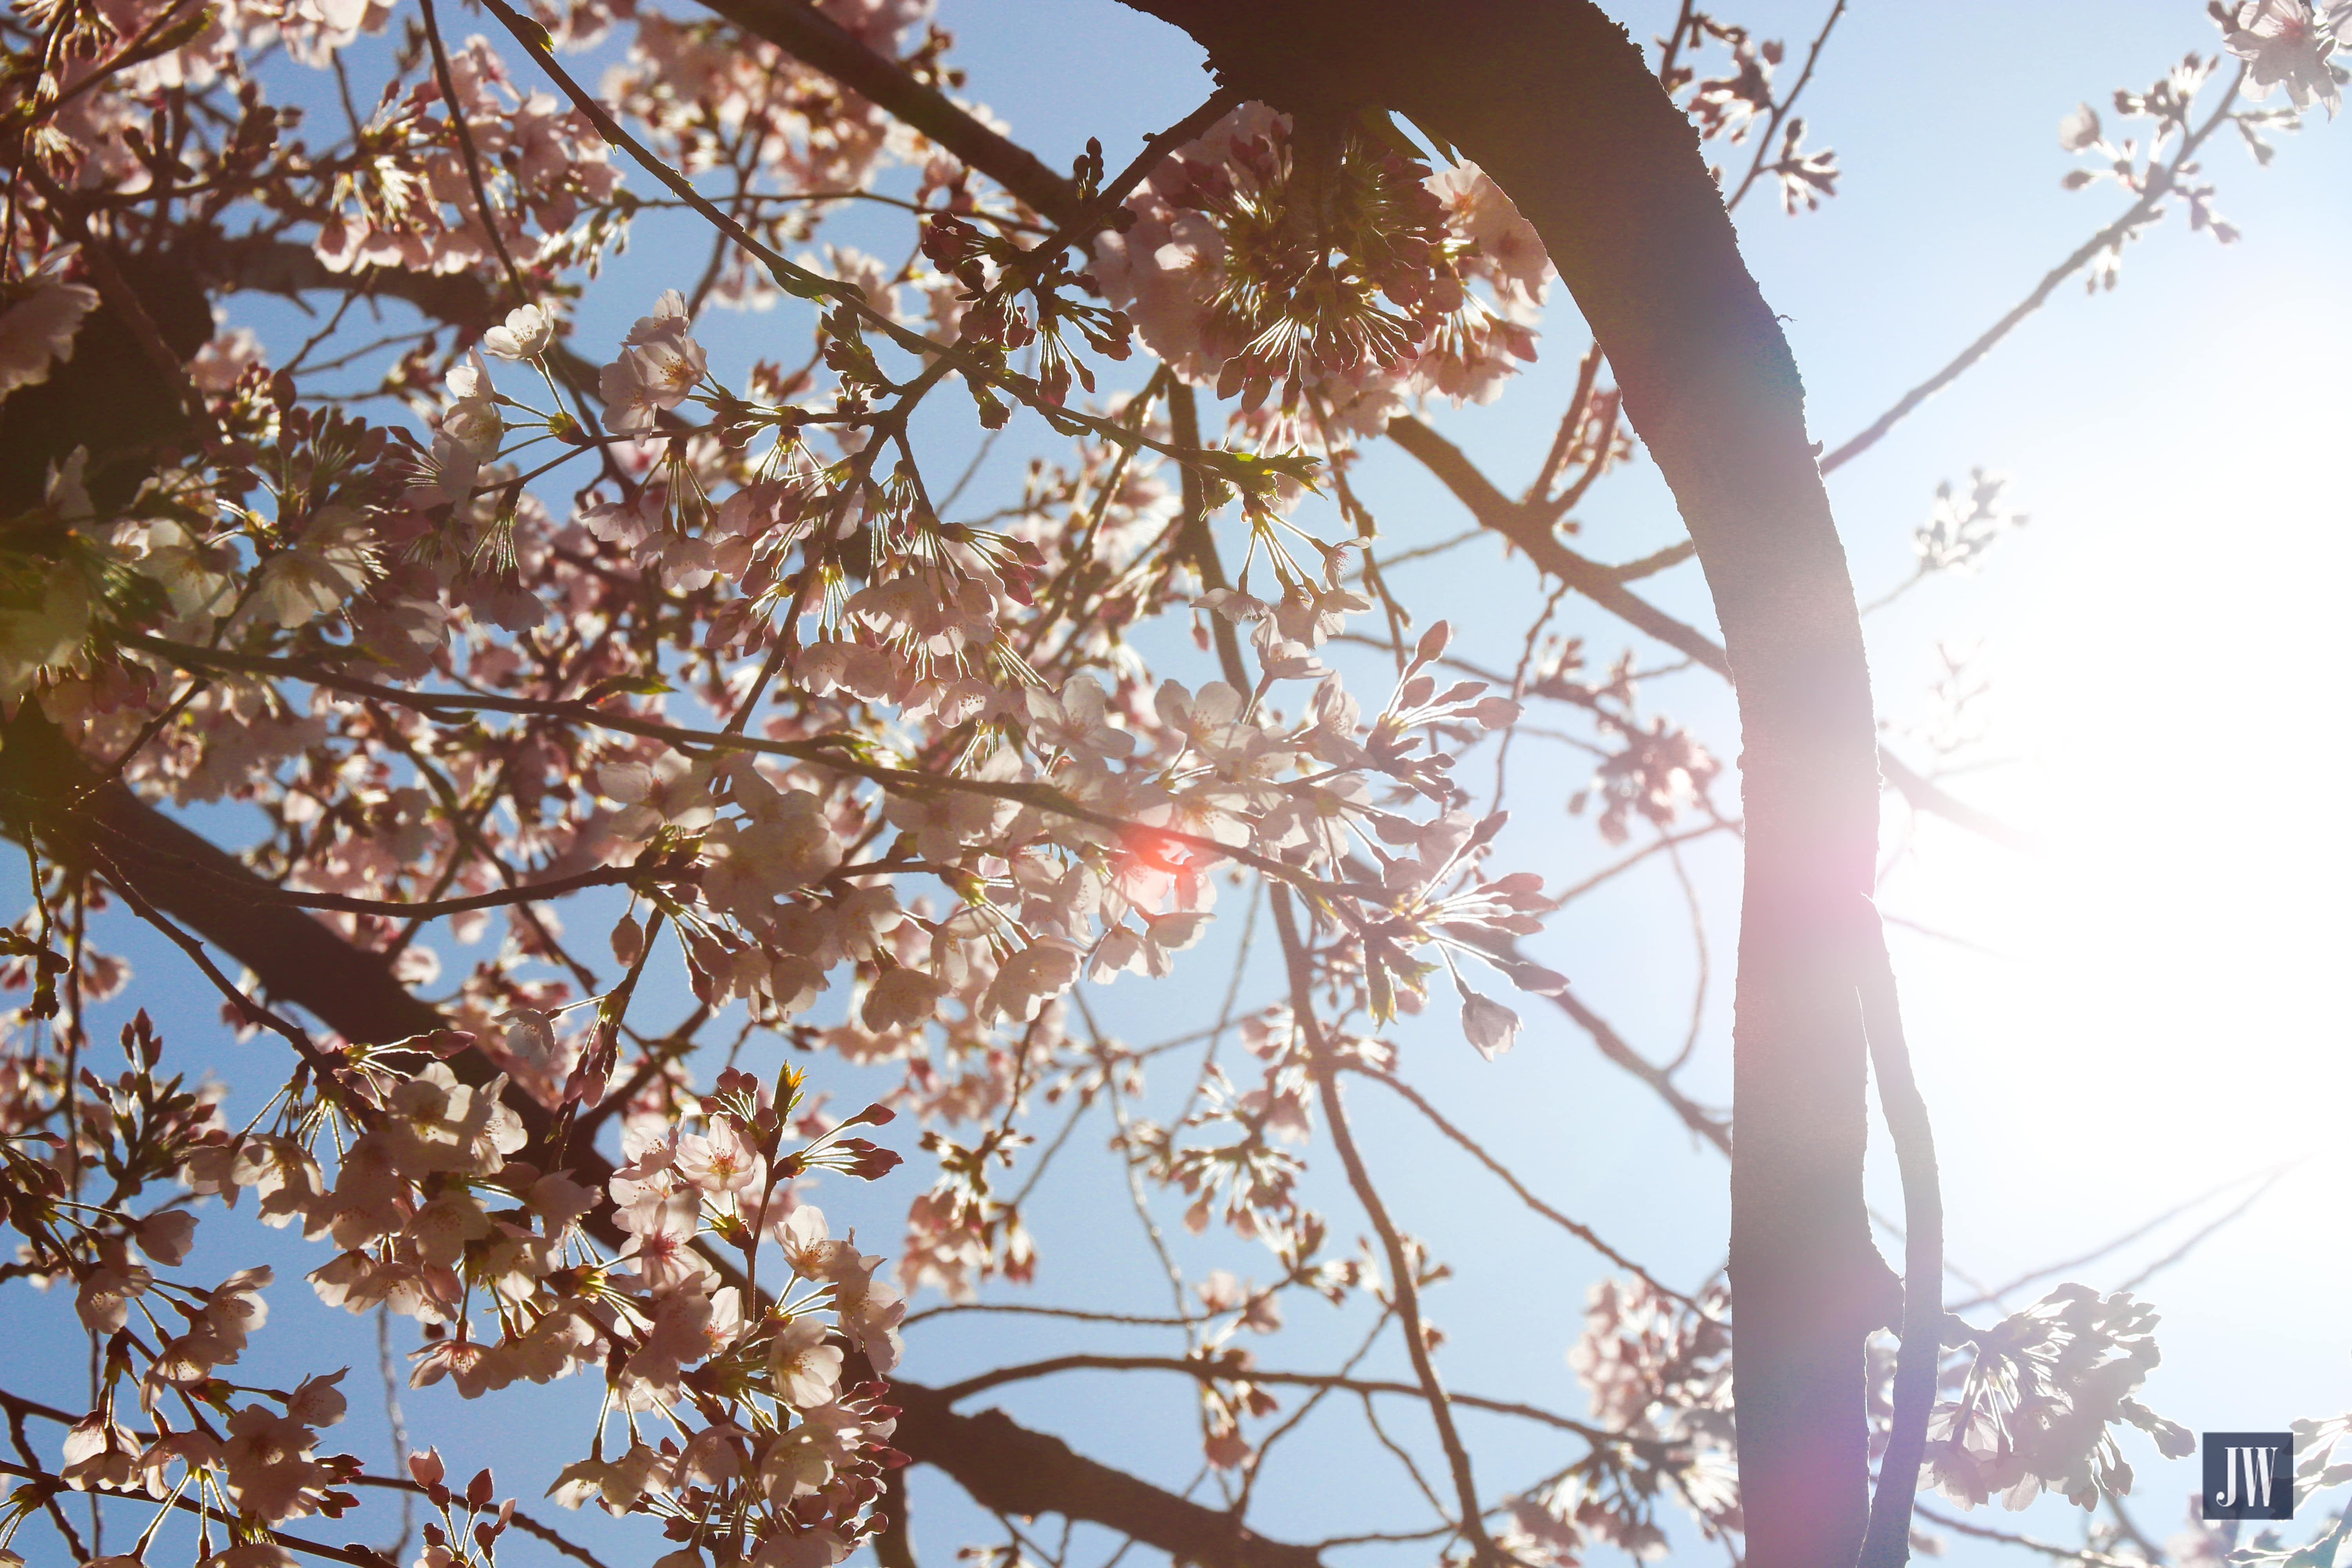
(2160, 1007)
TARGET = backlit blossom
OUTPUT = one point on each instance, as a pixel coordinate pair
(330, 560)
(660, 363)
(1349, 302)
(671, 793)
(806, 1369)
(37, 328)
(525, 334)
(2287, 43)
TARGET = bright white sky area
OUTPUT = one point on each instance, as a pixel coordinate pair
(2144, 1011)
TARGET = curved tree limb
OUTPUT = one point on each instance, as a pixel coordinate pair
(1531, 528)
(1404, 1293)
(1007, 1468)
(815, 39)
(1556, 104)
(357, 1556)
(1888, 1541)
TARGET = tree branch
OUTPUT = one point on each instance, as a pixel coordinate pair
(1403, 1287)
(1040, 796)
(2143, 211)
(1582, 1232)
(302, 962)
(815, 39)
(1887, 1543)
(1213, 1372)
(2011, 1537)
(357, 1556)
(1530, 529)
(1011, 1469)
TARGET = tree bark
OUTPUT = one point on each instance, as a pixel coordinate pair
(1555, 102)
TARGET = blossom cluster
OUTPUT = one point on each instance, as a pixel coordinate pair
(2037, 1402)
(410, 203)
(1657, 1371)
(1347, 276)
(780, 1445)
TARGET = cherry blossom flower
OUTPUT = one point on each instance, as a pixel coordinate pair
(329, 561)
(659, 1249)
(802, 1462)
(2079, 129)
(99, 1454)
(615, 1484)
(673, 792)
(2286, 43)
(901, 998)
(37, 327)
(660, 363)
(1228, 282)
(472, 417)
(1028, 979)
(1487, 1024)
(525, 334)
(166, 1235)
(108, 1288)
(268, 1458)
(807, 1370)
(808, 1246)
(192, 1450)
(724, 1161)
(1075, 721)
(786, 843)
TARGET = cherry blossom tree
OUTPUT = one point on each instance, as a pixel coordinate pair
(533, 633)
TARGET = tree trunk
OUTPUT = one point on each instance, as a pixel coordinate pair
(1554, 101)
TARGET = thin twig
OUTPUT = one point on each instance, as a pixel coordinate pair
(2186, 1247)
(312, 1057)
(1206, 1369)
(1132, 1319)
(2011, 1537)
(2140, 212)
(1582, 1232)
(1995, 1296)
(469, 155)
(1403, 1287)
(147, 732)
(1780, 109)
(358, 1557)
(1605, 587)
